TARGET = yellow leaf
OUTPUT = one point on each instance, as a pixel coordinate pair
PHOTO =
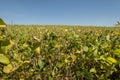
(78, 51)
(97, 34)
(62, 54)
(49, 60)
(37, 50)
(7, 69)
(117, 52)
(73, 57)
(26, 62)
(56, 46)
(10, 67)
(4, 59)
(108, 37)
(111, 60)
(25, 45)
(116, 33)
(67, 61)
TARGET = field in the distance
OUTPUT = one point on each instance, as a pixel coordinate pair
(60, 53)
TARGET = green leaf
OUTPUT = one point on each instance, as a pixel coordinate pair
(41, 64)
(85, 48)
(50, 78)
(102, 57)
(4, 42)
(4, 49)
(36, 45)
(93, 70)
(4, 59)
(78, 73)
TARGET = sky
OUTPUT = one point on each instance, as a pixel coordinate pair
(60, 12)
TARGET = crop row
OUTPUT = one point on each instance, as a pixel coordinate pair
(60, 53)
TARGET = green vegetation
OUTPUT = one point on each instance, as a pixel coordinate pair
(60, 53)
(117, 24)
(2, 22)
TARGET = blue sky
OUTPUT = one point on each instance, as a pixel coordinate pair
(61, 12)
